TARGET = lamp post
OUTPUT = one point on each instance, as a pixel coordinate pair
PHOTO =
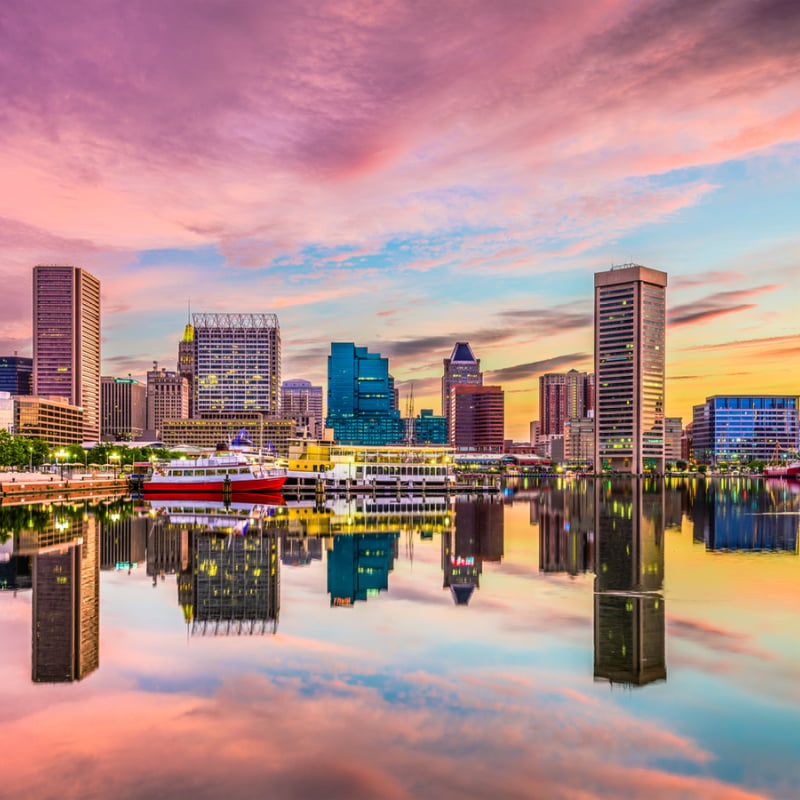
(30, 458)
(115, 458)
(61, 454)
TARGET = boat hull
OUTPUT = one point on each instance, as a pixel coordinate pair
(214, 487)
(788, 471)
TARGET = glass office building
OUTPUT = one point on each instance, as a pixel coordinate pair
(16, 374)
(237, 363)
(361, 407)
(743, 428)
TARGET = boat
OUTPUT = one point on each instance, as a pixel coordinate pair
(312, 463)
(786, 470)
(224, 473)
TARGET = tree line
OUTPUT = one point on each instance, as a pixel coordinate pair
(23, 452)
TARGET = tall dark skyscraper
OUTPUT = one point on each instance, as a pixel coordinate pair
(629, 343)
(66, 340)
(461, 368)
(361, 404)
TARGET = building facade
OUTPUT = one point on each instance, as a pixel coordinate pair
(673, 434)
(361, 404)
(50, 418)
(462, 368)
(270, 435)
(123, 407)
(564, 396)
(427, 428)
(579, 441)
(743, 428)
(302, 402)
(167, 398)
(16, 374)
(477, 421)
(237, 364)
(629, 342)
(66, 340)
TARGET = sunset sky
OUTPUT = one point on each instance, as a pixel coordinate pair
(404, 175)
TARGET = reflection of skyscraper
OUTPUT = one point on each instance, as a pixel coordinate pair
(566, 529)
(477, 536)
(359, 565)
(300, 550)
(723, 521)
(628, 604)
(235, 584)
(66, 605)
(123, 542)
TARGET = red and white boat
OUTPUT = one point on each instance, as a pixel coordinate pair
(219, 474)
(791, 470)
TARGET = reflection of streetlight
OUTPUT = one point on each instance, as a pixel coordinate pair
(115, 458)
(62, 453)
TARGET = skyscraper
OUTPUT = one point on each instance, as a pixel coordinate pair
(477, 419)
(186, 360)
(629, 340)
(361, 397)
(66, 339)
(303, 402)
(237, 363)
(461, 368)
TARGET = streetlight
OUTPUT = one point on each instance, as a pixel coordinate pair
(30, 458)
(115, 458)
(62, 453)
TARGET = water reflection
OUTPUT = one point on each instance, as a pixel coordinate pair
(55, 553)
(476, 537)
(225, 560)
(629, 619)
(565, 514)
(744, 515)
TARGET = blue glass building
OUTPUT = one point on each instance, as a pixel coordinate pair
(743, 428)
(361, 404)
(16, 374)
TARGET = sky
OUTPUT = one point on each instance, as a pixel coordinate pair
(405, 175)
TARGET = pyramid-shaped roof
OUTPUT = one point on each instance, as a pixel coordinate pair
(463, 352)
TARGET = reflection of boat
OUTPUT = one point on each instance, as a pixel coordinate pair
(215, 516)
(791, 470)
(223, 473)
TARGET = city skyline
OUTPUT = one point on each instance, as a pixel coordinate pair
(350, 173)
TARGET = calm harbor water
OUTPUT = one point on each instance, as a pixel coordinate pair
(570, 639)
